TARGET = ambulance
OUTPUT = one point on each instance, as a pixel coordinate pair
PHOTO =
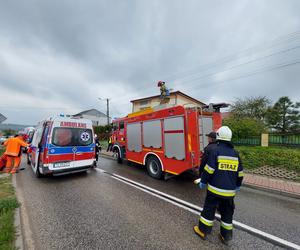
(62, 145)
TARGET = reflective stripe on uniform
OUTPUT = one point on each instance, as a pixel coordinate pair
(209, 169)
(226, 226)
(241, 174)
(206, 222)
(221, 192)
(221, 157)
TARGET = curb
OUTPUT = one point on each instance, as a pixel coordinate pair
(19, 242)
(274, 191)
(24, 237)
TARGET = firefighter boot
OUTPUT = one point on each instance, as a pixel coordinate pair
(199, 233)
(224, 241)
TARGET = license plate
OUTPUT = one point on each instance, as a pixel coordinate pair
(61, 164)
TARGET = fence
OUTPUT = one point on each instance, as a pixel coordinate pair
(291, 140)
(253, 141)
(285, 139)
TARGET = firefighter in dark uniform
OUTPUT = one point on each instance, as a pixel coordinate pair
(223, 175)
(211, 143)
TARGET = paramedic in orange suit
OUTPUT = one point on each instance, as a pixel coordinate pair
(13, 147)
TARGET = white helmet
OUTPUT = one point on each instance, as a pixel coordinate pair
(224, 133)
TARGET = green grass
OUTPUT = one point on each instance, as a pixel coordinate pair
(8, 204)
(255, 157)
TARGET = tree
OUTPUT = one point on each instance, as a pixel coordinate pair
(9, 132)
(284, 116)
(251, 107)
(244, 127)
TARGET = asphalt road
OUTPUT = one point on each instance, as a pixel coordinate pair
(272, 213)
(94, 211)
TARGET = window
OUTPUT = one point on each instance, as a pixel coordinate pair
(143, 103)
(72, 137)
(114, 126)
(121, 125)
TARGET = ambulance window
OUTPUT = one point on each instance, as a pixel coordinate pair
(72, 137)
(121, 125)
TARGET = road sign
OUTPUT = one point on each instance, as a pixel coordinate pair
(2, 118)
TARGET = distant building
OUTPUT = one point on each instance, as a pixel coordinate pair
(176, 98)
(97, 117)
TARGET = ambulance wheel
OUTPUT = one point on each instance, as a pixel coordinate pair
(154, 167)
(37, 172)
(117, 155)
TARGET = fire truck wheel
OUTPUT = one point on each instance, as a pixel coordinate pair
(154, 167)
(117, 155)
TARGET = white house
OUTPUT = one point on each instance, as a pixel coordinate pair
(97, 117)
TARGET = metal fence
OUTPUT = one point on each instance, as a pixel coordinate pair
(284, 139)
(252, 141)
(291, 140)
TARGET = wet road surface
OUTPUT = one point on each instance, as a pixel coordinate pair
(94, 211)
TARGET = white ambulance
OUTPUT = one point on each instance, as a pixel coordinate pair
(62, 145)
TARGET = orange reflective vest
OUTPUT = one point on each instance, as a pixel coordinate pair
(13, 146)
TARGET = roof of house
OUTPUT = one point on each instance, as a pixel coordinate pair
(172, 93)
(91, 112)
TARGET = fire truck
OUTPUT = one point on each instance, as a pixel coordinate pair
(167, 140)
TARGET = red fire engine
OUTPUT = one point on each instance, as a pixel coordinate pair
(165, 140)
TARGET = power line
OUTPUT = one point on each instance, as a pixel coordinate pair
(242, 64)
(286, 38)
(266, 69)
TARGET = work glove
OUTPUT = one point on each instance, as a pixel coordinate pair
(202, 185)
(238, 189)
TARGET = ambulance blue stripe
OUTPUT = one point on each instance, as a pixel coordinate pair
(69, 150)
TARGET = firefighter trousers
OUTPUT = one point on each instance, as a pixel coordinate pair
(12, 163)
(226, 208)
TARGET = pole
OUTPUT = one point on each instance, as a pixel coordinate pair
(107, 110)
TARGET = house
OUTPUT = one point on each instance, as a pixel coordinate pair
(176, 98)
(97, 117)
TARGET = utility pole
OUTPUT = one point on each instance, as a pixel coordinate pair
(107, 108)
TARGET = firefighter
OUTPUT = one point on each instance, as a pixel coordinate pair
(223, 175)
(163, 89)
(97, 148)
(109, 146)
(13, 148)
(211, 143)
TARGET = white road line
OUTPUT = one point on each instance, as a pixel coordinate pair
(196, 210)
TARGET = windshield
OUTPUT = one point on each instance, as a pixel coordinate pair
(72, 137)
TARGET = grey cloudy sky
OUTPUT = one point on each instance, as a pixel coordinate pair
(59, 56)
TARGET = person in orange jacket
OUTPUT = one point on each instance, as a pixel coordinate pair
(13, 148)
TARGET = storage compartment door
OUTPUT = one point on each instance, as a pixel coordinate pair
(134, 137)
(205, 127)
(174, 138)
(152, 134)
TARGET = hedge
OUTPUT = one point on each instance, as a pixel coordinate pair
(255, 157)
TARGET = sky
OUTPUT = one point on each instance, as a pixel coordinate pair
(61, 56)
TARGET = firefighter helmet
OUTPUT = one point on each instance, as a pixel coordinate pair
(160, 83)
(224, 133)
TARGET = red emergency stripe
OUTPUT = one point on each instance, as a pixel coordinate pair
(62, 157)
(85, 156)
(173, 131)
(71, 157)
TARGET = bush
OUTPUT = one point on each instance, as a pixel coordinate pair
(244, 127)
(255, 157)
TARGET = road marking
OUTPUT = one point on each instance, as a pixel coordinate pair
(196, 210)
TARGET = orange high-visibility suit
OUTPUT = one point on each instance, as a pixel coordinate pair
(13, 147)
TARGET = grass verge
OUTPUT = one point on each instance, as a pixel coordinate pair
(8, 204)
(255, 157)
